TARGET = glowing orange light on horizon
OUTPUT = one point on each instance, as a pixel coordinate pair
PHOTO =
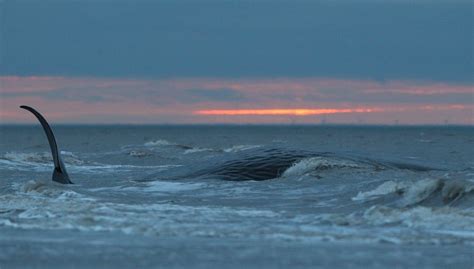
(282, 112)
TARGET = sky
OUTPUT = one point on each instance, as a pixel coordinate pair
(238, 61)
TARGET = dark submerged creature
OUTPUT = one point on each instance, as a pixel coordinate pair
(261, 165)
(272, 163)
(59, 173)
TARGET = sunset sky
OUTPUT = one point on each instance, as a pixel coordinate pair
(183, 61)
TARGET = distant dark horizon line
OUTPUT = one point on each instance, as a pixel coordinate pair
(68, 124)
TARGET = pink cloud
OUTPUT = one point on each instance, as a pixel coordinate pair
(284, 111)
(182, 100)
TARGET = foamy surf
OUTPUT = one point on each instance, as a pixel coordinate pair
(40, 158)
(317, 164)
(159, 143)
(166, 186)
(238, 148)
(360, 195)
(198, 150)
(415, 192)
(42, 162)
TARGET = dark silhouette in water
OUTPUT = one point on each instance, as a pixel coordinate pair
(262, 165)
(59, 174)
(272, 163)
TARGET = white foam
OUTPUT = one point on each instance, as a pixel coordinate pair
(38, 158)
(76, 213)
(167, 186)
(49, 189)
(196, 150)
(67, 153)
(35, 214)
(32, 211)
(444, 218)
(20, 157)
(420, 190)
(158, 143)
(139, 153)
(42, 162)
(119, 167)
(312, 164)
(387, 187)
(417, 191)
(34, 185)
(25, 166)
(240, 148)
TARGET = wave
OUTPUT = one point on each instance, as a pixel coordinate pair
(194, 149)
(158, 143)
(445, 218)
(40, 209)
(45, 205)
(122, 167)
(43, 161)
(429, 191)
(197, 150)
(47, 189)
(313, 164)
(38, 161)
(264, 164)
(165, 143)
(191, 149)
(417, 224)
(233, 149)
(165, 186)
(238, 148)
(48, 207)
(386, 188)
(41, 157)
(140, 153)
(258, 165)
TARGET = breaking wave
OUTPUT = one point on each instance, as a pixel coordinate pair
(313, 164)
(430, 191)
(45, 205)
(158, 143)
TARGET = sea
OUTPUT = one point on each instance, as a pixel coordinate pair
(238, 196)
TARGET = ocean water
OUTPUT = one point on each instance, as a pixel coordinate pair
(238, 197)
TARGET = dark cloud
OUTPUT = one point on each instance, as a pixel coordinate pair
(426, 40)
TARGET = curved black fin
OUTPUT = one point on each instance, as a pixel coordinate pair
(59, 174)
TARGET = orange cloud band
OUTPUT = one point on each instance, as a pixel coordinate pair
(287, 112)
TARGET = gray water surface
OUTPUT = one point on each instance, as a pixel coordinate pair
(177, 196)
